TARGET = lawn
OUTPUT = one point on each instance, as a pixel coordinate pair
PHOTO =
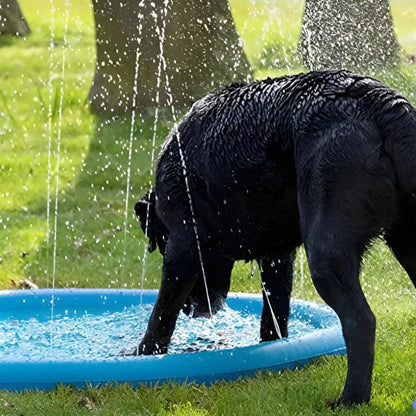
(64, 180)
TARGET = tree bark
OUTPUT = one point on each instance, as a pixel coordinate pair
(12, 21)
(348, 34)
(202, 51)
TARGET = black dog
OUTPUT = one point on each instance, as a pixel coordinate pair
(327, 159)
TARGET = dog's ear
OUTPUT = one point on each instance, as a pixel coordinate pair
(162, 235)
(146, 212)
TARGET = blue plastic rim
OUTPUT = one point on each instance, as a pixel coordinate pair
(200, 367)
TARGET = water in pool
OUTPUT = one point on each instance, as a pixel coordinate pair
(90, 335)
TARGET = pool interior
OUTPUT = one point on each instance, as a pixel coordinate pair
(107, 328)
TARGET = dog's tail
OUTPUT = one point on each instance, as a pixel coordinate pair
(398, 123)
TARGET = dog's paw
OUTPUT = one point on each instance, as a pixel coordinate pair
(333, 404)
(150, 348)
(343, 402)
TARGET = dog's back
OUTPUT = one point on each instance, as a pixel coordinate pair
(251, 141)
(236, 128)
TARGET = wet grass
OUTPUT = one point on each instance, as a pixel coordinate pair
(99, 246)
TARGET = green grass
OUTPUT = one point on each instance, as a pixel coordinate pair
(98, 246)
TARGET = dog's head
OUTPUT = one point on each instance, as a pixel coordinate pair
(196, 304)
(151, 225)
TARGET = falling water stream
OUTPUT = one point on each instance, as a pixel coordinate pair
(58, 154)
(140, 17)
(50, 87)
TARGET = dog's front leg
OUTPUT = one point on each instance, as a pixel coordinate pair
(180, 270)
(277, 281)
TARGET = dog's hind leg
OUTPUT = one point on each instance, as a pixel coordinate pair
(217, 269)
(277, 281)
(181, 269)
(334, 264)
(218, 274)
(334, 257)
(347, 192)
(401, 238)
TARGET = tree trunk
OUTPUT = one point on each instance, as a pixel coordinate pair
(348, 34)
(12, 21)
(202, 51)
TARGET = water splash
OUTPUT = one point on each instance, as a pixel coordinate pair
(89, 335)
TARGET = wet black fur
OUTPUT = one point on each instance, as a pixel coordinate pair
(327, 159)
